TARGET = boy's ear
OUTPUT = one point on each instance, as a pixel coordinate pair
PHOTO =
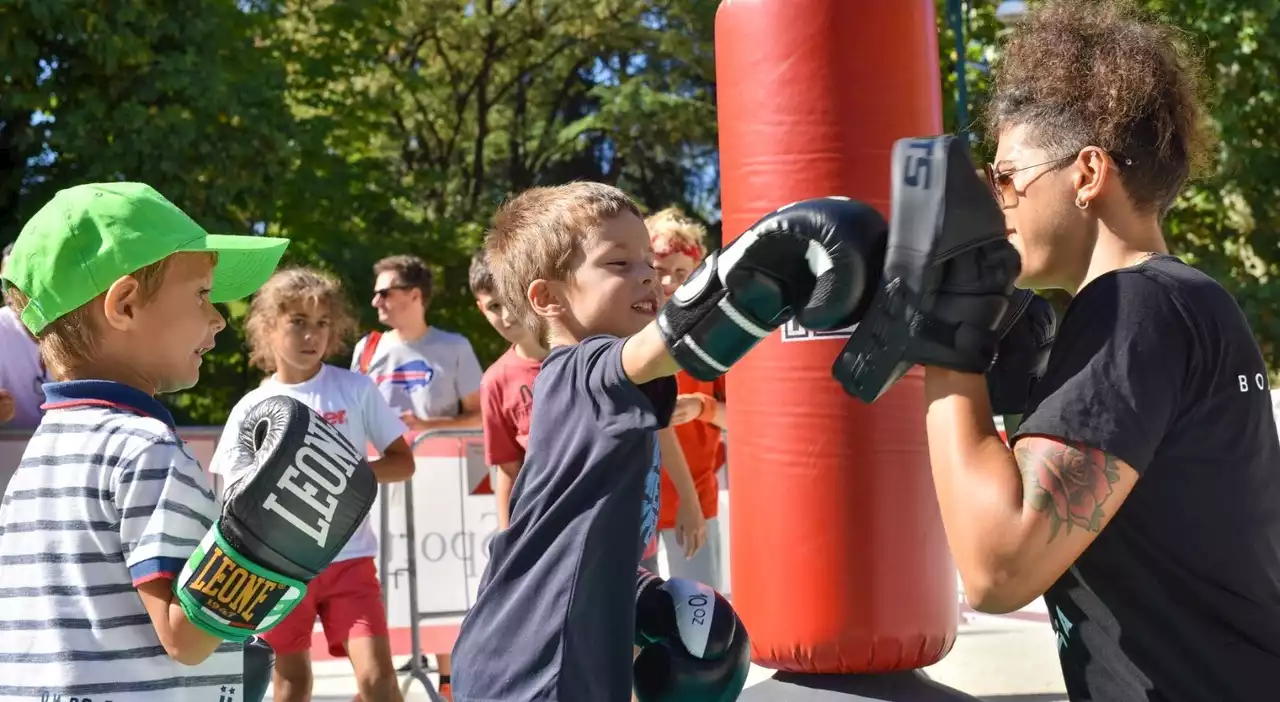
(545, 298)
(121, 301)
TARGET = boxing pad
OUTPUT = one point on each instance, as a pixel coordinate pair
(303, 491)
(814, 260)
(1026, 336)
(948, 272)
(693, 645)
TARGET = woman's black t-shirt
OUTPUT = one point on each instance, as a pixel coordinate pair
(1179, 597)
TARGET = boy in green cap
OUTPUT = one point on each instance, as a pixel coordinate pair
(118, 286)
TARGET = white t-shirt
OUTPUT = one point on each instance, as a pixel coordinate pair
(21, 372)
(350, 402)
(429, 376)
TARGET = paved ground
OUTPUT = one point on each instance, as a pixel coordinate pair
(998, 659)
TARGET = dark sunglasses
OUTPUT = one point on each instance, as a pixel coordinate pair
(381, 293)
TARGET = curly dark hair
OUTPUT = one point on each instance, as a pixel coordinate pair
(1100, 73)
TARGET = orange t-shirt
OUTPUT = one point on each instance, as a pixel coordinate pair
(701, 444)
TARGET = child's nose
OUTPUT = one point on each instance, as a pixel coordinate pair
(219, 323)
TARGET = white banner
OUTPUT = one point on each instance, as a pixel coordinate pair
(453, 529)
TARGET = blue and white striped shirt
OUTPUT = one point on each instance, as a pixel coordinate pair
(106, 498)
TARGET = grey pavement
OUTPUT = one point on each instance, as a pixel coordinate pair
(996, 659)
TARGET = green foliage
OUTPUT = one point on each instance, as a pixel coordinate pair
(434, 111)
(1228, 222)
(361, 130)
(132, 91)
(358, 130)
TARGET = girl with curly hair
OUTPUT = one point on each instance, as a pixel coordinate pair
(1142, 494)
(297, 320)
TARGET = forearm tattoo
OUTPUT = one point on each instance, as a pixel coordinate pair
(1067, 481)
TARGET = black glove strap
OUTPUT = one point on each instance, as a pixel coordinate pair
(975, 347)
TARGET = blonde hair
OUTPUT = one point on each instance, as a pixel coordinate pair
(284, 290)
(539, 234)
(672, 231)
(68, 342)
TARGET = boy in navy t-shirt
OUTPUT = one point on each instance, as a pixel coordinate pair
(556, 615)
(587, 500)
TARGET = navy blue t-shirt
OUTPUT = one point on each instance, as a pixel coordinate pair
(555, 617)
(1179, 597)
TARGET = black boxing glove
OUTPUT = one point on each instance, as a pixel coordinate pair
(1027, 334)
(303, 491)
(693, 645)
(815, 260)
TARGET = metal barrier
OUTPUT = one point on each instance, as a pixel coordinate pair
(416, 670)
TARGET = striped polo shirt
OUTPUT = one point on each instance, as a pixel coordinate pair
(106, 498)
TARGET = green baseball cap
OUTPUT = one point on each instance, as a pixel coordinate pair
(89, 236)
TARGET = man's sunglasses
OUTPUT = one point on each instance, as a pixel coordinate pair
(382, 293)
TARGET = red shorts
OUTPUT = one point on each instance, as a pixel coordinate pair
(348, 599)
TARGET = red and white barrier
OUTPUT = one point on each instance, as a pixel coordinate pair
(454, 518)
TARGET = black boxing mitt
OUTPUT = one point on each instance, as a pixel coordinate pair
(1027, 336)
(948, 272)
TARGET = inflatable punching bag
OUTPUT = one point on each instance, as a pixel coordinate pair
(839, 560)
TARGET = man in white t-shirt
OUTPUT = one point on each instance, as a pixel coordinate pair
(346, 596)
(22, 373)
(430, 375)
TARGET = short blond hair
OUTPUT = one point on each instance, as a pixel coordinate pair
(68, 342)
(540, 233)
(289, 287)
(671, 231)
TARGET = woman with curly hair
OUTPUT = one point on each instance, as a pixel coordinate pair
(1142, 494)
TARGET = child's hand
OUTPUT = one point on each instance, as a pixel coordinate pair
(688, 408)
(691, 527)
(7, 406)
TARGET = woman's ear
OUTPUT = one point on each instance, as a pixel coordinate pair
(121, 301)
(1092, 171)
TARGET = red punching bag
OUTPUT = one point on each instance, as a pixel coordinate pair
(840, 563)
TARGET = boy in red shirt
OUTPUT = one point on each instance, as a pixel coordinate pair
(698, 419)
(506, 391)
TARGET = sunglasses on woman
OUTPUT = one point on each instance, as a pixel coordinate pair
(1001, 182)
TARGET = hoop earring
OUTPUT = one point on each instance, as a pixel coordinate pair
(1081, 203)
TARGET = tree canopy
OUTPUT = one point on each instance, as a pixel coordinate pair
(360, 130)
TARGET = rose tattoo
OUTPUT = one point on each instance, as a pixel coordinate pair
(1070, 482)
